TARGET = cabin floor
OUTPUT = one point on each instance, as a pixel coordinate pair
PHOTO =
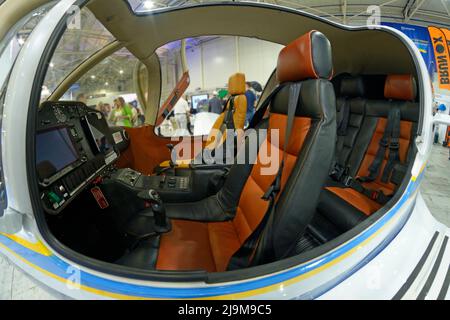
(16, 285)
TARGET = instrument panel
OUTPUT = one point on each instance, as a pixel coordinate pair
(74, 146)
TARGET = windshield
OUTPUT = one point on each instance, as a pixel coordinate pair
(79, 42)
(210, 61)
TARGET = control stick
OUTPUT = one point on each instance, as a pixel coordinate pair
(162, 224)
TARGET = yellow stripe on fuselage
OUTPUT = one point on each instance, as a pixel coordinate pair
(37, 247)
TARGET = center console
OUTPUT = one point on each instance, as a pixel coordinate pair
(170, 188)
(163, 183)
(188, 185)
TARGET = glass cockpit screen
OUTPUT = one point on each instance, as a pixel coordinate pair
(54, 152)
(101, 140)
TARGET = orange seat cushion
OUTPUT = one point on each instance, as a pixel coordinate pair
(195, 245)
(186, 247)
(356, 199)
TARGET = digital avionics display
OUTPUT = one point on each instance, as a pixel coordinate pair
(198, 98)
(101, 139)
(54, 152)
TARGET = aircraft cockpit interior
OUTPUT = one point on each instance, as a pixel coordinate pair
(345, 121)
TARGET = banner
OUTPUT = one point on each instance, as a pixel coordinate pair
(441, 56)
(421, 38)
(446, 33)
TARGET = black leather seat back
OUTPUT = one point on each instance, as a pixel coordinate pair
(352, 96)
(297, 202)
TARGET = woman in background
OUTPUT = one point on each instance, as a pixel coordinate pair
(122, 115)
(104, 108)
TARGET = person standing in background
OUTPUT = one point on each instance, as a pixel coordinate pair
(121, 115)
(104, 108)
(140, 117)
(181, 113)
(251, 100)
(107, 108)
(215, 104)
(133, 107)
(138, 114)
(441, 108)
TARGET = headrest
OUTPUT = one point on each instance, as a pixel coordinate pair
(236, 84)
(352, 87)
(400, 87)
(307, 57)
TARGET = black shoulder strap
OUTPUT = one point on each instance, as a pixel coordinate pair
(394, 157)
(343, 117)
(259, 114)
(229, 112)
(243, 256)
(342, 124)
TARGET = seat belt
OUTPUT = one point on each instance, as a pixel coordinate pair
(339, 170)
(228, 122)
(375, 195)
(400, 169)
(259, 114)
(242, 258)
(391, 136)
(343, 123)
(394, 157)
(375, 167)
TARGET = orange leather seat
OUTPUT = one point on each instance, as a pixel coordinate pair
(236, 89)
(218, 134)
(194, 245)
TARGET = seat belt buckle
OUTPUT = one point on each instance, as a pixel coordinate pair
(272, 191)
(374, 195)
(348, 180)
(338, 172)
(269, 193)
(394, 144)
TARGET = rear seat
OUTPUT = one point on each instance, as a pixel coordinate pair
(350, 115)
(341, 206)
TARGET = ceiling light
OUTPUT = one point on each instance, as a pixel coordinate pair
(106, 83)
(52, 64)
(21, 41)
(121, 71)
(148, 4)
(92, 77)
(45, 91)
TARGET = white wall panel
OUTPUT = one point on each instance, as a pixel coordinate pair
(219, 60)
(257, 58)
(224, 56)
(194, 63)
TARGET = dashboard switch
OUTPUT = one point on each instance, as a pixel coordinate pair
(53, 197)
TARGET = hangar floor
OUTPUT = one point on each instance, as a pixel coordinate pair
(14, 284)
